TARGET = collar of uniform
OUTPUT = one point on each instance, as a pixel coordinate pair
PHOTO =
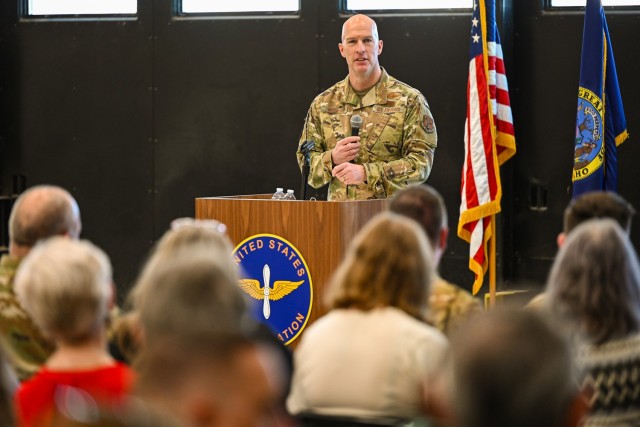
(10, 262)
(8, 267)
(377, 94)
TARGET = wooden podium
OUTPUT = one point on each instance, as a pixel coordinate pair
(320, 230)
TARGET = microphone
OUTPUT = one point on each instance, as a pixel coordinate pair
(307, 147)
(356, 124)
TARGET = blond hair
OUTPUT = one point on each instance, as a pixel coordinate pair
(65, 286)
(389, 263)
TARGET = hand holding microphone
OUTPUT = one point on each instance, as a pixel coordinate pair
(346, 150)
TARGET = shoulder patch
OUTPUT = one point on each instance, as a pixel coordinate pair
(428, 125)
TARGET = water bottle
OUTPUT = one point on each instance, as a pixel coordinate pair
(289, 195)
(279, 194)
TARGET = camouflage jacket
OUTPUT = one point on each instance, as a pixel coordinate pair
(398, 137)
(450, 306)
(23, 342)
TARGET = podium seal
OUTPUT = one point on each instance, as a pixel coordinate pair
(276, 277)
(589, 147)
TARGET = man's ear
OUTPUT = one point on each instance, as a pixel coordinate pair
(341, 49)
(380, 47)
(560, 239)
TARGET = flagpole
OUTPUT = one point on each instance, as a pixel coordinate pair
(492, 264)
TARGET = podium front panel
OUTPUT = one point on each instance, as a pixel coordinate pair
(321, 231)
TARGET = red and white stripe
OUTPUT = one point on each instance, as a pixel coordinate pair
(489, 141)
(480, 191)
(500, 103)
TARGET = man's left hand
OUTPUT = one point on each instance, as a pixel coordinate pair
(349, 173)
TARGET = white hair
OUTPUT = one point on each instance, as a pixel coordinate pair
(66, 287)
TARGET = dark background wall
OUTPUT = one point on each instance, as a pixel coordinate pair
(137, 117)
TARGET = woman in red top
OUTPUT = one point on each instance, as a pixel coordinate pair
(66, 287)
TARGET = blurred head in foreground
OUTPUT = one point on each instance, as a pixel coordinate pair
(509, 368)
(594, 284)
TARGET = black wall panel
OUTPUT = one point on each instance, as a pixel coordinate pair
(231, 99)
(80, 116)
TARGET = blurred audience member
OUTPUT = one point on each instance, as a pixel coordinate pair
(39, 213)
(449, 305)
(211, 238)
(185, 233)
(368, 356)
(198, 293)
(200, 363)
(596, 204)
(212, 379)
(594, 292)
(66, 288)
(509, 368)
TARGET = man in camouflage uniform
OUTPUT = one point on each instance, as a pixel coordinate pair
(449, 305)
(398, 137)
(40, 212)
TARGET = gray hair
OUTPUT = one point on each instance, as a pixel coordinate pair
(65, 286)
(196, 291)
(185, 233)
(594, 285)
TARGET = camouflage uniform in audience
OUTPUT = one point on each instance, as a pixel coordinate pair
(450, 306)
(398, 137)
(24, 344)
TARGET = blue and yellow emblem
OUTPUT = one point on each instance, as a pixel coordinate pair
(276, 277)
(589, 149)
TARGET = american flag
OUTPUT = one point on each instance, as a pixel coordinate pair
(489, 137)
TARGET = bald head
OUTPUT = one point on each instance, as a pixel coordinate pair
(41, 212)
(359, 21)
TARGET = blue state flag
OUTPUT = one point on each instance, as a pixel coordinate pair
(600, 123)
